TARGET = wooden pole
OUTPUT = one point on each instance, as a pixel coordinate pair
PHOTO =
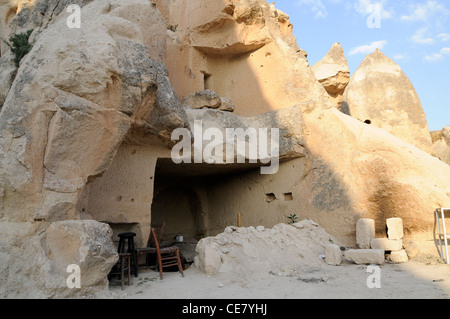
(239, 220)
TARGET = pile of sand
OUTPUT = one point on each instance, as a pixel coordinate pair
(261, 250)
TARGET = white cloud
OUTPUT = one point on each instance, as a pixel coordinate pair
(424, 11)
(445, 51)
(368, 48)
(401, 57)
(366, 7)
(435, 57)
(318, 7)
(422, 37)
(444, 37)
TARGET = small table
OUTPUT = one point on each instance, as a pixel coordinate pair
(442, 232)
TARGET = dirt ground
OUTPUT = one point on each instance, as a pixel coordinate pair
(424, 277)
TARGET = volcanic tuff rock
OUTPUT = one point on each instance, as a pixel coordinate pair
(361, 170)
(333, 73)
(239, 49)
(7, 73)
(380, 94)
(73, 100)
(441, 144)
(34, 258)
(79, 93)
(208, 99)
(90, 95)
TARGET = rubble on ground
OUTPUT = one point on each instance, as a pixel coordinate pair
(262, 249)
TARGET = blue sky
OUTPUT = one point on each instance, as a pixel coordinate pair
(415, 34)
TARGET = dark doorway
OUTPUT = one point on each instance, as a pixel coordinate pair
(180, 208)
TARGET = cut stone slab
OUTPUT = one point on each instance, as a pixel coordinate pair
(208, 259)
(395, 228)
(399, 257)
(333, 255)
(411, 247)
(386, 244)
(365, 232)
(365, 256)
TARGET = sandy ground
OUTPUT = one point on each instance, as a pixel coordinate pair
(424, 277)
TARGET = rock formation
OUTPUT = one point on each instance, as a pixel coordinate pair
(86, 136)
(362, 169)
(238, 49)
(65, 115)
(441, 144)
(380, 94)
(333, 73)
(208, 99)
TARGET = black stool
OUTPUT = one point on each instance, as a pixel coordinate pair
(131, 250)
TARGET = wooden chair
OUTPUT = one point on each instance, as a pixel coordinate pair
(151, 245)
(167, 256)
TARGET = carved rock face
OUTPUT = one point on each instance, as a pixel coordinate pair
(80, 93)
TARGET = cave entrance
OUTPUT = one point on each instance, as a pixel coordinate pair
(179, 207)
(182, 200)
(143, 186)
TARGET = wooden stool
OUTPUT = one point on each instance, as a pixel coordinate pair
(124, 264)
(129, 238)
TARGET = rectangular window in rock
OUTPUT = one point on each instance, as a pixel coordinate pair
(207, 80)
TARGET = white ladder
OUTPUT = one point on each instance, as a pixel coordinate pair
(442, 232)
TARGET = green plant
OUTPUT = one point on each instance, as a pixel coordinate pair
(20, 45)
(293, 218)
(173, 27)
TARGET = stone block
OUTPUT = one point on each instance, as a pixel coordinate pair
(394, 228)
(411, 248)
(365, 232)
(365, 256)
(399, 257)
(208, 259)
(386, 244)
(333, 255)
